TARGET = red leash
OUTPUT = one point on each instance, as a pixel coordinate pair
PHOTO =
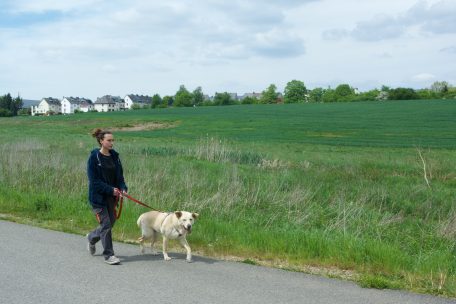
(119, 202)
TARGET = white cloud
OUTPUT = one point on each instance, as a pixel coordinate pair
(436, 18)
(278, 43)
(449, 49)
(335, 34)
(423, 77)
(39, 6)
(379, 28)
(109, 68)
(94, 47)
(385, 55)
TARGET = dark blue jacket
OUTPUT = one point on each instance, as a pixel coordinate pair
(99, 189)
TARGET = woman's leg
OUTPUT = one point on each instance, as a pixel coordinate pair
(103, 231)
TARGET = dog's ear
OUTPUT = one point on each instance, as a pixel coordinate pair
(195, 215)
(178, 214)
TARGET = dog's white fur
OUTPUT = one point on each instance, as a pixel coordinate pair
(175, 225)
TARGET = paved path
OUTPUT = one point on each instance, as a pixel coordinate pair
(44, 266)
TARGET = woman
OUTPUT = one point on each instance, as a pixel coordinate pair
(106, 182)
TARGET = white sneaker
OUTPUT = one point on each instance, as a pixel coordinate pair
(112, 260)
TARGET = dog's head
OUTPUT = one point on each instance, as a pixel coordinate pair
(186, 219)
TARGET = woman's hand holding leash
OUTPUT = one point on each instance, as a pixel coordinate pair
(117, 192)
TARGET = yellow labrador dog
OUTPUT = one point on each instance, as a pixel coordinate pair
(173, 225)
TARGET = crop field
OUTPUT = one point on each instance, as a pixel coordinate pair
(363, 191)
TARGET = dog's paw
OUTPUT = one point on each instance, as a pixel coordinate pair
(167, 259)
(189, 260)
(141, 250)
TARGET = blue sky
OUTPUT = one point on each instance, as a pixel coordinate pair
(90, 48)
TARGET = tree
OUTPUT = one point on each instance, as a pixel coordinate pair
(17, 105)
(369, 95)
(440, 87)
(183, 97)
(207, 103)
(198, 96)
(167, 102)
(156, 101)
(385, 88)
(344, 92)
(223, 99)
(10, 105)
(382, 95)
(6, 102)
(135, 106)
(26, 112)
(428, 94)
(402, 94)
(451, 94)
(329, 95)
(316, 95)
(295, 92)
(269, 95)
(5, 113)
(249, 100)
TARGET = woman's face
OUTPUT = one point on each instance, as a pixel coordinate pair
(107, 142)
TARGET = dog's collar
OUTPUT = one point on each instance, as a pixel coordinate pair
(178, 231)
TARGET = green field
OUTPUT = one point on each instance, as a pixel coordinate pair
(363, 191)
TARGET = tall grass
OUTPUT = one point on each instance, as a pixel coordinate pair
(210, 149)
(363, 209)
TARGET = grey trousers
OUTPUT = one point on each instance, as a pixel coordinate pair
(106, 218)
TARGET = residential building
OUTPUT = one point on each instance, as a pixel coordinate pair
(47, 106)
(29, 103)
(234, 96)
(253, 95)
(71, 104)
(109, 103)
(141, 100)
(87, 106)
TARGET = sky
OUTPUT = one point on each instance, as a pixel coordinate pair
(91, 48)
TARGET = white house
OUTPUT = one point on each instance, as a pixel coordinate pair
(234, 96)
(140, 100)
(47, 106)
(87, 106)
(109, 103)
(253, 95)
(70, 104)
(29, 103)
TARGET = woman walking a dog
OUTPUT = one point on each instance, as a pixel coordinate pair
(106, 182)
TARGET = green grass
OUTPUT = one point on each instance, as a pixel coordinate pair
(327, 185)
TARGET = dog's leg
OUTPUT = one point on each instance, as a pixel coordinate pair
(141, 243)
(165, 249)
(152, 242)
(184, 243)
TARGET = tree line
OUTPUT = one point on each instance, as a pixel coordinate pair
(296, 92)
(10, 106)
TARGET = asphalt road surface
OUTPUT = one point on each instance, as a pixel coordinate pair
(44, 266)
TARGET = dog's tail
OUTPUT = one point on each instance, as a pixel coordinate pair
(138, 222)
